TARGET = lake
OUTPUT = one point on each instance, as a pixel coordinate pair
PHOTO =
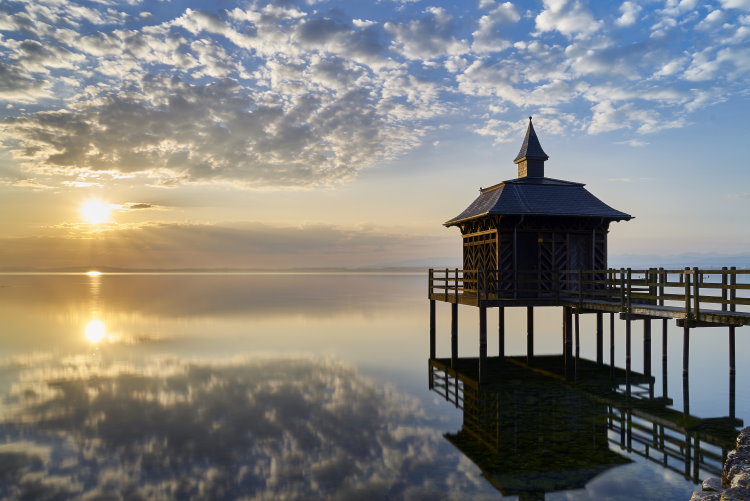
(317, 386)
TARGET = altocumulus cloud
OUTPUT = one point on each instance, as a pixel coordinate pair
(303, 94)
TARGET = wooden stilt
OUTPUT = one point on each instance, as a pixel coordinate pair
(432, 329)
(627, 354)
(664, 359)
(685, 393)
(568, 340)
(529, 334)
(685, 350)
(482, 344)
(454, 335)
(612, 344)
(600, 338)
(578, 342)
(501, 331)
(647, 347)
(732, 367)
(732, 394)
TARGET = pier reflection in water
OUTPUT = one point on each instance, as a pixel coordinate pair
(533, 432)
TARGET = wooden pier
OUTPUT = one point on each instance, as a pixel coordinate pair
(695, 298)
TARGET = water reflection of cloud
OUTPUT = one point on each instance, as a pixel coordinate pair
(261, 429)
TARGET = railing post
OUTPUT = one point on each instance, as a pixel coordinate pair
(732, 307)
(630, 285)
(686, 274)
(447, 274)
(456, 285)
(580, 287)
(429, 283)
(697, 275)
(662, 280)
(622, 288)
(652, 279)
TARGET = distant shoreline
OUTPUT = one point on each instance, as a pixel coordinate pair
(407, 270)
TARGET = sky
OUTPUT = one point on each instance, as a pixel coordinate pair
(319, 133)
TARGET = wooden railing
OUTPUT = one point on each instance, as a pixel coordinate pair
(691, 289)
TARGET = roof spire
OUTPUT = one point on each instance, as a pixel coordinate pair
(531, 157)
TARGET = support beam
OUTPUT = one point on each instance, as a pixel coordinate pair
(731, 350)
(647, 347)
(432, 329)
(732, 394)
(501, 331)
(529, 334)
(685, 393)
(612, 344)
(454, 335)
(482, 344)
(683, 322)
(578, 342)
(627, 354)
(568, 340)
(664, 359)
(600, 338)
(685, 350)
(636, 316)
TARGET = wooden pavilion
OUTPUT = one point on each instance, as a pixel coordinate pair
(529, 232)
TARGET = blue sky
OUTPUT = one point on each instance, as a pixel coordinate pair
(374, 120)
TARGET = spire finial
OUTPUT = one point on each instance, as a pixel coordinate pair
(531, 158)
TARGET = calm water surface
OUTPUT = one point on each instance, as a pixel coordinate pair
(312, 387)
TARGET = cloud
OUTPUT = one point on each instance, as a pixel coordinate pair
(488, 35)
(629, 14)
(426, 38)
(735, 4)
(178, 132)
(635, 143)
(569, 17)
(712, 21)
(17, 85)
(139, 206)
(608, 117)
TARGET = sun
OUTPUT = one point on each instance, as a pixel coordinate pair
(95, 211)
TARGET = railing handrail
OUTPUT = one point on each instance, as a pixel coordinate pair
(691, 288)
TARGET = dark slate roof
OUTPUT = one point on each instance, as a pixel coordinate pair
(540, 196)
(531, 148)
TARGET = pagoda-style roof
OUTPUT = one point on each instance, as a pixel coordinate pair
(538, 196)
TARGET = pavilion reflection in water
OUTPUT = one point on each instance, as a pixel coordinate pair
(531, 431)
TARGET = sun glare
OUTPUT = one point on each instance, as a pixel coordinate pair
(95, 211)
(95, 331)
